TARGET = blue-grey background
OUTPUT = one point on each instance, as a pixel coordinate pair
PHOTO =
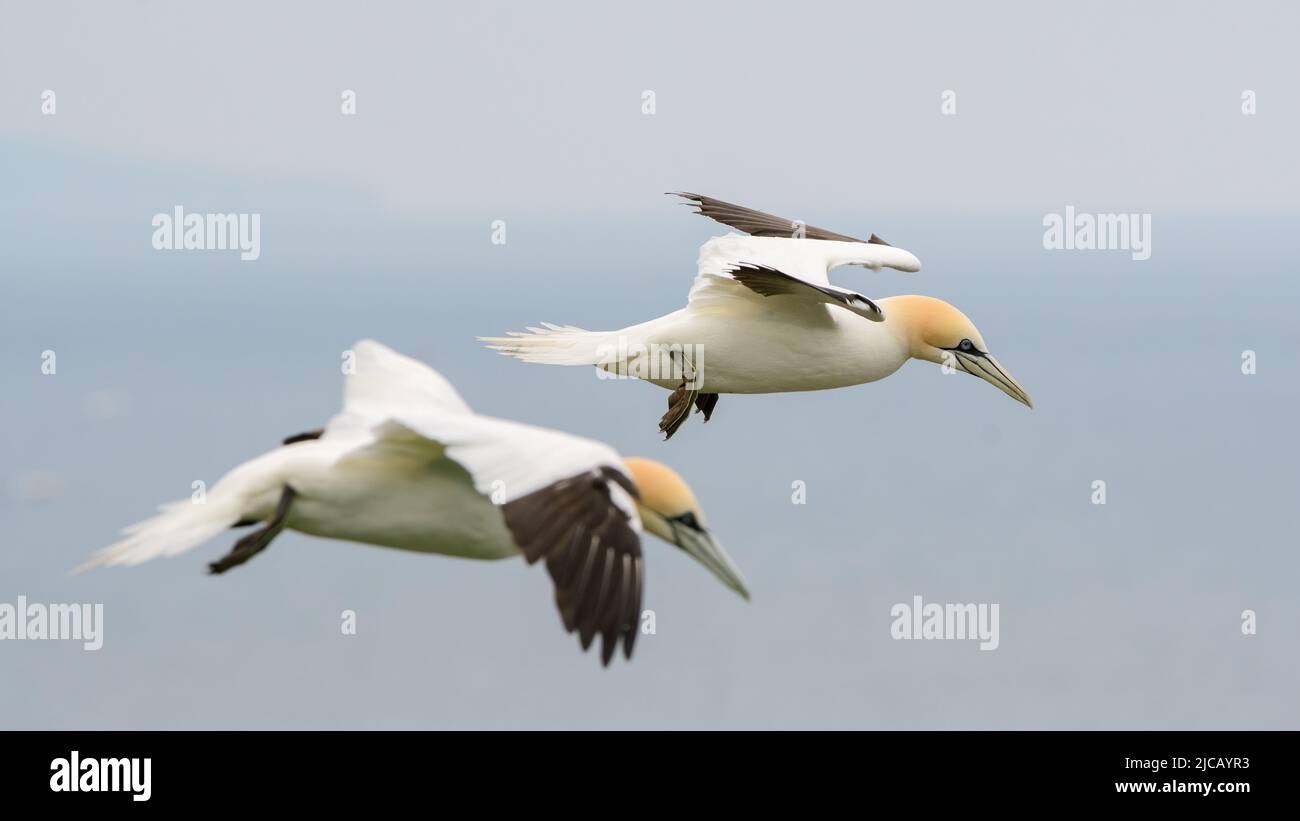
(175, 366)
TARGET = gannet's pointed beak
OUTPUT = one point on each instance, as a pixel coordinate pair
(706, 550)
(987, 368)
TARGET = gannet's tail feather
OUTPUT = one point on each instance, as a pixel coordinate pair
(178, 527)
(554, 345)
(239, 496)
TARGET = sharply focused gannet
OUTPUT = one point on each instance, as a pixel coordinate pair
(408, 465)
(762, 317)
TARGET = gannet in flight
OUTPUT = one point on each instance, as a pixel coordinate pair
(407, 464)
(762, 317)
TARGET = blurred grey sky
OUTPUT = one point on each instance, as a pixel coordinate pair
(536, 110)
(177, 366)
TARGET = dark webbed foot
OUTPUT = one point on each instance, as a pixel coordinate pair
(680, 400)
(704, 403)
(304, 437)
(255, 542)
(679, 410)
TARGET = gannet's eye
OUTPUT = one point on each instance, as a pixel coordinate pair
(966, 345)
(688, 519)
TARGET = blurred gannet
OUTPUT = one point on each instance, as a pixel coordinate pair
(407, 464)
(762, 317)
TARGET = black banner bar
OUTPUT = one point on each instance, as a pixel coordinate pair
(219, 769)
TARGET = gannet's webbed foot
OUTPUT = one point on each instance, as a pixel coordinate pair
(304, 437)
(704, 403)
(680, 400)
(255, 542)
(679, 410)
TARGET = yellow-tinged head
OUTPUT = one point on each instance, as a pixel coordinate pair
(668, 510)
(937, 332)
(661, 488)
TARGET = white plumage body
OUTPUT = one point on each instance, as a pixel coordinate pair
(380, 499)
(778, 348)
(747, 342)
(407, 465)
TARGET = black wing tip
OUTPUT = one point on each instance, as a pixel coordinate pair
(693, 201)
(548, 522)
(303, 437)
(625, 635)
(609, 643)
(748, 269)
(727, 214)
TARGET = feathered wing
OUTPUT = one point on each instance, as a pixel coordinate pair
(767, 282)
(800, 251)
(592, 548)
(804, 264)
(564, 498)
(380, 377)
(506, 459)
(760, 224)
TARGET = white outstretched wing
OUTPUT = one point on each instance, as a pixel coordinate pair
(799, 251)
(395, 407)
(737, 272)
(808, 259)
(381, 377)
